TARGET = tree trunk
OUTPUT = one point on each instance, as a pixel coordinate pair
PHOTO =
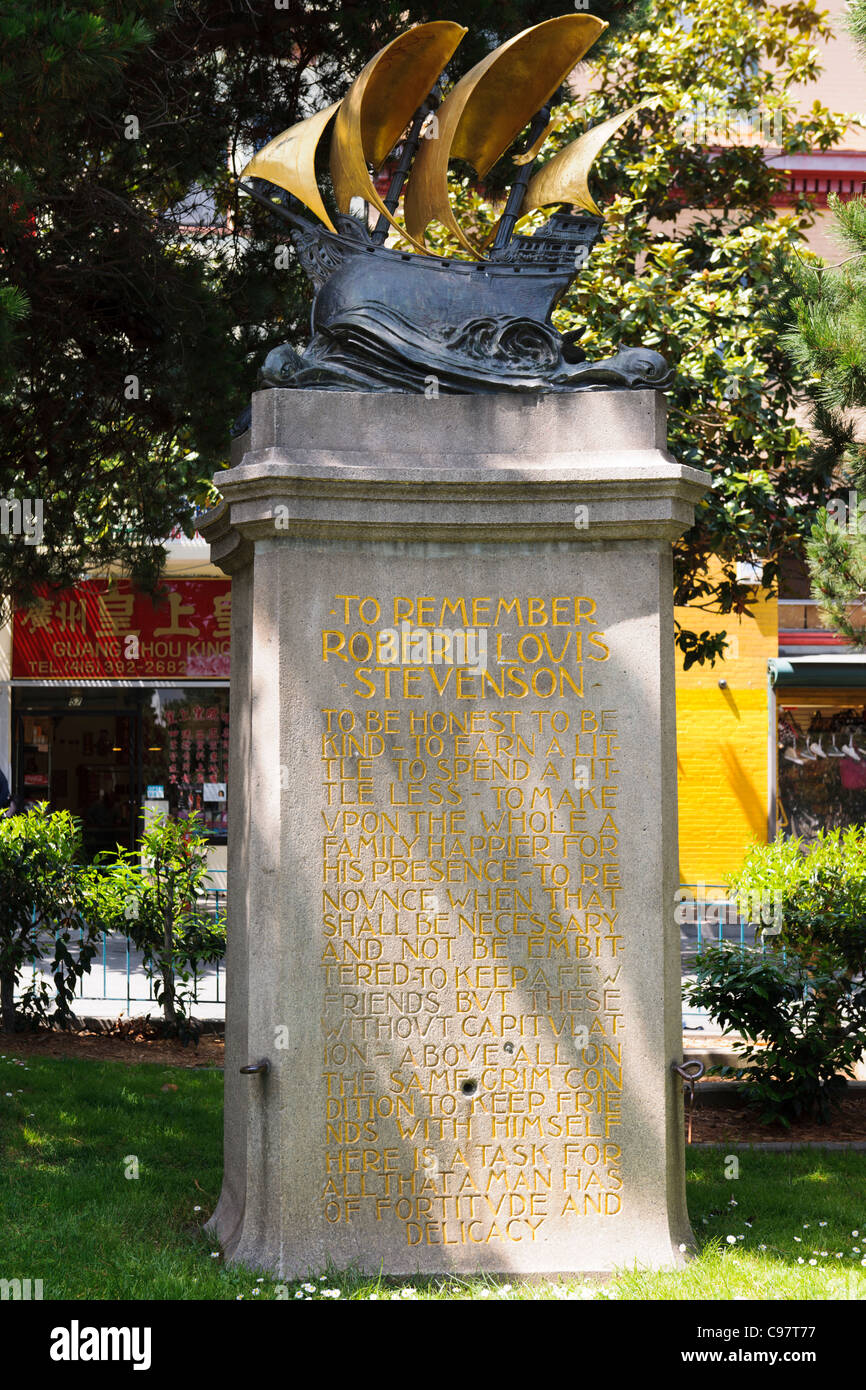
(7, 1000)
(169, 1012)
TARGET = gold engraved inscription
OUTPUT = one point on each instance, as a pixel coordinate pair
(473, 1026)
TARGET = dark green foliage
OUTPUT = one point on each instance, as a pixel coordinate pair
(837, 566)
(702, 290)
(803, 1029)
(701, 646)
(41, 907)
(805, 998)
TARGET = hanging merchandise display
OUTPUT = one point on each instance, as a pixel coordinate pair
(822, 769)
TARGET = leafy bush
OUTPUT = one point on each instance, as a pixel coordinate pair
(41, 892)
(152, 894)
(803, 1028)
(816, 893)
(800, 1004)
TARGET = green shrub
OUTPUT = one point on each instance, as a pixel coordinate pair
(815, 893)
(152, 895)
(41, 893)
(800, 1002)
(802, 1029)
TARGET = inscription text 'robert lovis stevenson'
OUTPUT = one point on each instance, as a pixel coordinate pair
(472, 1030)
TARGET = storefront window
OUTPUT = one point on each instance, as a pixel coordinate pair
(115, 756)
(822, 769)
(186, 745)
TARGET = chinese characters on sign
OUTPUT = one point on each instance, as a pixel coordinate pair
(104, 630)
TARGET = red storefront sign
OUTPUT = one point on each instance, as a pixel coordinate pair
(99, 630)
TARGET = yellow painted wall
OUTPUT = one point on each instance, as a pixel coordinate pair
(722, 744)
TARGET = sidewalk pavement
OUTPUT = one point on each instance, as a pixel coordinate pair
(116, 984)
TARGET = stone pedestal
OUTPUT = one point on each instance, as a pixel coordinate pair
(453, 835)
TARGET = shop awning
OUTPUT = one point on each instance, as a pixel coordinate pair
(818, 671)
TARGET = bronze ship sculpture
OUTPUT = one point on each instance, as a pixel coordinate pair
(402, 317)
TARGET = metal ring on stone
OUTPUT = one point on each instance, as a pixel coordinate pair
(687, 1072)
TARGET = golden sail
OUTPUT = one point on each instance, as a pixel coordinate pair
(487, 110)
(289, 161)
(565, 177)
(379, 106)
(370, 120)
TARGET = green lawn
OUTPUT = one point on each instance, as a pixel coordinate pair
(70, 1216)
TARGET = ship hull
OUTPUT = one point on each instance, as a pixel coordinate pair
(442, 294)
(389, 320)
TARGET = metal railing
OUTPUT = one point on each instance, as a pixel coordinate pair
(117, 975)
(708, 915)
